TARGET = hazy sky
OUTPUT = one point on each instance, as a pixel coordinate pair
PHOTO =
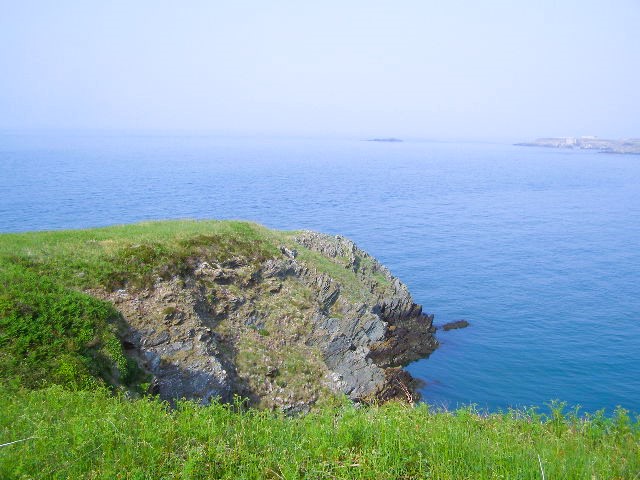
(431, 69)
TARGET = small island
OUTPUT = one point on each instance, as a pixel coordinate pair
(388, 140)
(628, 145)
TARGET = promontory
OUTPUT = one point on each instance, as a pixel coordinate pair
(208, 309)
(628, 145)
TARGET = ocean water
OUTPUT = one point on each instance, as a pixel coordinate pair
(539, 249)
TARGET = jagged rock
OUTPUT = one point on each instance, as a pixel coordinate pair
(288, 252)
(277, 268)
(387, 330)
(455, 325)
(182, 359)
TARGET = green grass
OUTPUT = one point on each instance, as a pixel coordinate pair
(133, 255)
(96, 435)
(51, 334)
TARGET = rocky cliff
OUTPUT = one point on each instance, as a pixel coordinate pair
(317, 318)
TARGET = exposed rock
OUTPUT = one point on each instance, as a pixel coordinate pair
(281, 332)
(288, 252)
(183, 357)
(455, 325)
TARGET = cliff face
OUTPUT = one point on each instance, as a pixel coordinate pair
(321, 317)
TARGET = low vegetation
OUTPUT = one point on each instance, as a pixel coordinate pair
(93, 434)
(50, 334)
(133, 255)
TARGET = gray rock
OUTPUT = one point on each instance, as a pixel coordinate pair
(387, 330)
(287, 252)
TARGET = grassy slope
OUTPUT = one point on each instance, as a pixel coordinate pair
(52, 333)
(95, 435)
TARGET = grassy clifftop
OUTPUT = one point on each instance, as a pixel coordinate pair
(112, 257)
(135, 254)
(99, 436)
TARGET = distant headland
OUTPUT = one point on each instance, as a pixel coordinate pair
(627, 145)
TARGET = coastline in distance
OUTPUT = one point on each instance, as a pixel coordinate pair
(627, 145)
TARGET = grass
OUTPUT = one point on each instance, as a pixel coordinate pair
(100, 436)
(51, 334)
(133, 255)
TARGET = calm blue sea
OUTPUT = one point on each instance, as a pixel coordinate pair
(539, 249)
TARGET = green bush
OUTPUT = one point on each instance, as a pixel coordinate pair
(50, 334)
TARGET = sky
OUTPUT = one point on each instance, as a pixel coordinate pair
(417, 69)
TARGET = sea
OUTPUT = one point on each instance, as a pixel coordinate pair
(538, 249)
